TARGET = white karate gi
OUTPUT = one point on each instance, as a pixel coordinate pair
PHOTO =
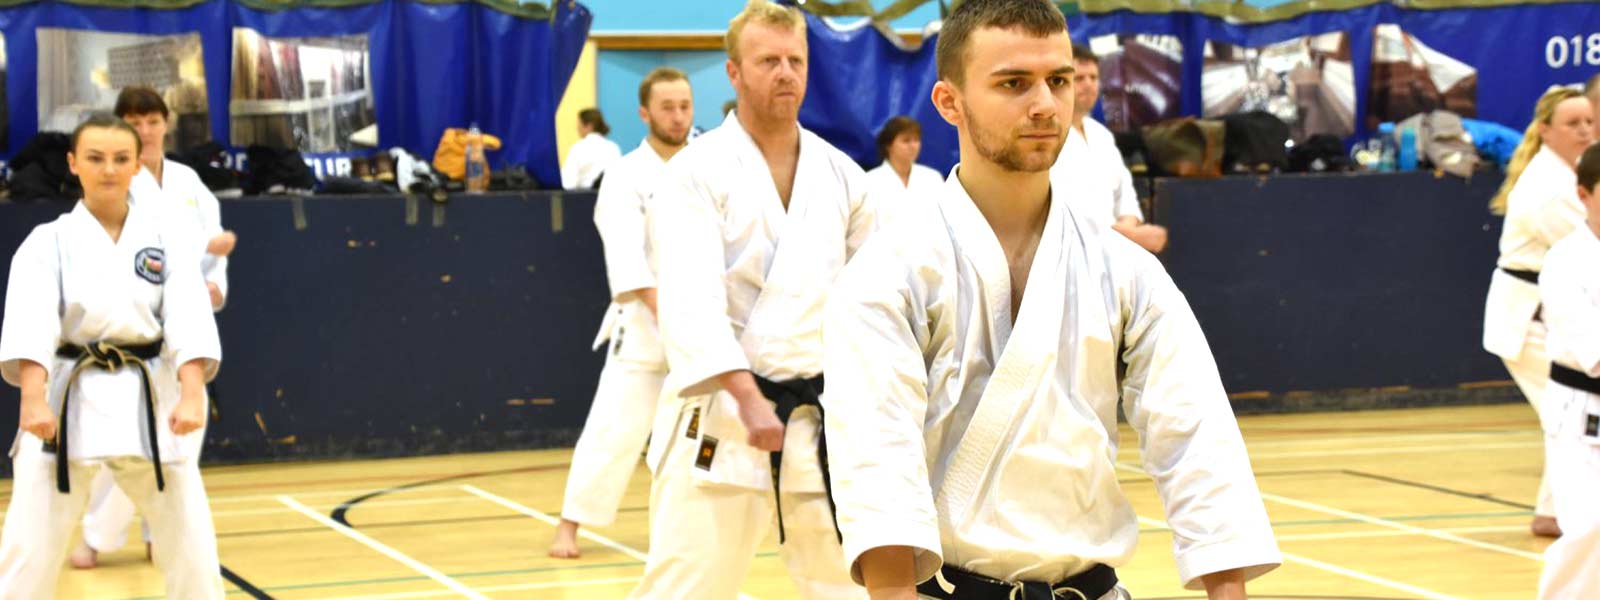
(587, 160)
(1542, 208)
(990, 445)
(185, 201)
(1570, 288)
(624, 405)
(1091, 166)
(890, 195)
(741, 287)
(71, 284)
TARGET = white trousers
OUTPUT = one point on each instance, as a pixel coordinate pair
(105, 524)
(1116, 593)
(1531, 371)
(39, 523)
(703, 537)
(1572, 563)
(613, 436)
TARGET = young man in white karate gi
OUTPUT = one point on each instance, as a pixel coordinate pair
(1569, 286)
(624, 405)
(185, 201)
(758, 219)
(110, 337)
(1091, 164)
(977, 357)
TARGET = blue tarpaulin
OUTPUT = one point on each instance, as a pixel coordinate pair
(434, 65)
(859, 79)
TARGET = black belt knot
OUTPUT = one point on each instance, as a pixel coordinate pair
(789, 396)
(109, 357)
(1088, 585)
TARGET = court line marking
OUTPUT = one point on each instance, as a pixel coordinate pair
(1433, 533)
(1304, 537)
(268, 511)
(553, 521)
(1290, 557)
(1416, 437)
(1455, 448)
(1371, 520)
(500, 588)
(379, 547)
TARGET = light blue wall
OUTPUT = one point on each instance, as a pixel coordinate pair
(618, 75)
(618, 71)
(703, 15)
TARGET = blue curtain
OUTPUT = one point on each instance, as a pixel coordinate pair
(433, 65)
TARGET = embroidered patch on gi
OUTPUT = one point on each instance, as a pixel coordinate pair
(151, 264)
(693, 431)
(708, 451)
(1592, 428)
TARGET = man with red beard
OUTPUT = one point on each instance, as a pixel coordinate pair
(759, 217)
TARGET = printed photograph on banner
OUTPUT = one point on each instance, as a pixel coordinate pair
(81, 72)
(312, 94)
(1408, 78)
(1307, 82)
(1140, 77)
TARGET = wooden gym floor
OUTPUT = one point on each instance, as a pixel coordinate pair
(1427, 503)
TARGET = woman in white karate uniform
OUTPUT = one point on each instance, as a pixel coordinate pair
(588, 159)
(185, 201)
(900, 181)
(1540, 202)
(109, 335)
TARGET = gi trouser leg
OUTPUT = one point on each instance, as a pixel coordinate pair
(39, 522)
(183, 536)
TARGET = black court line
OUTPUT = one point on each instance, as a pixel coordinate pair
(1436, 488)
(244, 585)
(339, 513)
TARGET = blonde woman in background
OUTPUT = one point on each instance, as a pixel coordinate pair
(1540, 203)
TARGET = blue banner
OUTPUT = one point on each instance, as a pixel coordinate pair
(432, 65)
(1517, 52)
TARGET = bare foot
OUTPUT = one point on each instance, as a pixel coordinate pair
(1544, 526)
(566, 543)
(84, 557)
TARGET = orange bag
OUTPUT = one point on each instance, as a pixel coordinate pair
(450, 159)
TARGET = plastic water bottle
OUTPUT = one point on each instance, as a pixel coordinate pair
(1407, 155)
(477, 164)
(1386, 137)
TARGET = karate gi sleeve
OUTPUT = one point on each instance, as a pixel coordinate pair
(1191, 444)
(863, 209)
(188, 324)
(32, 327)
(875, 408)
(1572, 310)
(692, 297)
(1126, 197)
(213, 268)
(620, 218)
(576, 157)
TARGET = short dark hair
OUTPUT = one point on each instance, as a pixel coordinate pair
(595, 120)
(658, 75)
(1038, 18)
(1084, 53)
(892, 130)
(1589, 167)
(141, 100)
(105, 121)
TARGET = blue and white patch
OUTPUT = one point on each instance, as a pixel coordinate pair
(151, 265)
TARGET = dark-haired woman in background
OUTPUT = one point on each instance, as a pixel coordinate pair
(588, 158)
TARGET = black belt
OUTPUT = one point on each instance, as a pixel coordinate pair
(1574, 379)
(110, 357)
(1530, 277)
(1088, 585)
(789, 396)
